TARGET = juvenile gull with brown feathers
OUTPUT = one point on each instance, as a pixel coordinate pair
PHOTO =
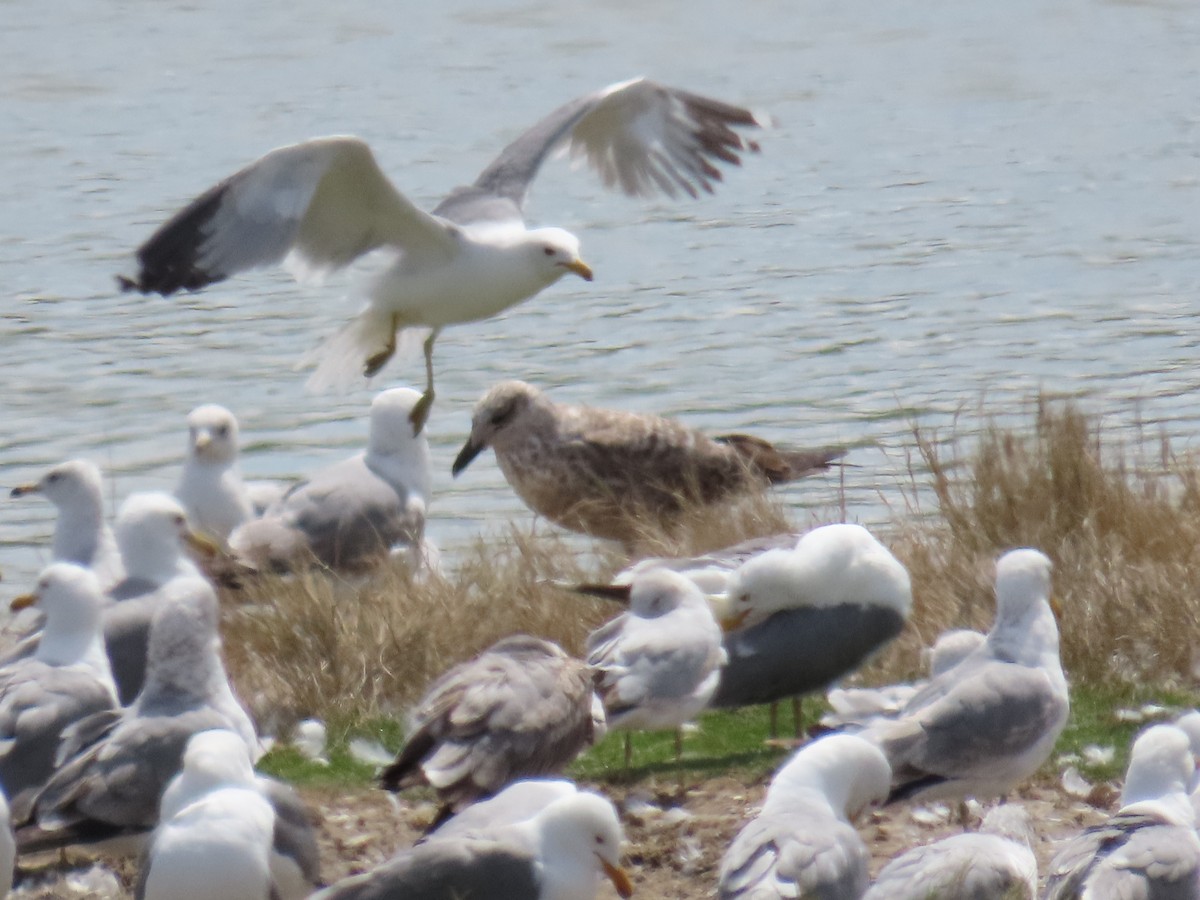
(319, 205)
(600, 471)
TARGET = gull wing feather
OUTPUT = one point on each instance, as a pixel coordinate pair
(317, 205)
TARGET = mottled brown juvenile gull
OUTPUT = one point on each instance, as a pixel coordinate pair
(319, 205)
(521, 708)
(210, 486)
(559, 854)
(81, 534)
(66, 679)
(213, 840)
(1149, 849)
(987, 724)
(995, 863)
(802, 843)
(350, 515)
(115, 765)
(604, 471)
(657, 664)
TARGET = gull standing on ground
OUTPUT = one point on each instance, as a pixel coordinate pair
(1149, 848)
(605, 472)
(987, 724)
(210, 486)
(995, 863)
(657, 664)
(349, 516)
(559, 854)
(802, 843)
(115, 765)
(214, 836)
(521, 708)
(66, 679)
(319, 205)
(81, 535)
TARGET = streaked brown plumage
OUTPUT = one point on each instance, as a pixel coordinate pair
(520, 709)
(600, 470)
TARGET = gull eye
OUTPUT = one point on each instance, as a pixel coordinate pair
(599, 839)
(52, 477)
(180, 521)
(549, 251)
(222, 430)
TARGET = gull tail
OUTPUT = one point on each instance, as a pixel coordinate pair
(341, 361)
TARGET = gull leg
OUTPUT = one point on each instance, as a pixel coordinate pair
(628, 750)
(420, 412)
(379, 360)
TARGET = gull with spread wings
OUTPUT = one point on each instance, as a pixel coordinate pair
(317, 206)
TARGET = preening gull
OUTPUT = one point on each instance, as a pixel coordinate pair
(559, 854)
(319, 205)
(210, 486)
(802, 843)
(657, 664)
(349, 516)
(797, 619)
(988, 723)
(81, 534)
(213, 840)
(1149, 848)
(521, 708)
(66, 679)
(114, 765)
(995, 863)
(607, 472)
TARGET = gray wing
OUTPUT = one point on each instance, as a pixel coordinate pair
(324, 200)
(647, 661)
(795, 856)
(516, 803)
(641, 138)
(965, 867)
(38, 702)
(509, 713)
(453, 869)
(126, 636)
(295, 856)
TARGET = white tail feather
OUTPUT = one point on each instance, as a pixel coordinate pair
(339, 360)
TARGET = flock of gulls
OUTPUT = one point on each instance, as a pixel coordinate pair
(119, 729)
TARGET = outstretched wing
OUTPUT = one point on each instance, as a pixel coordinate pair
(319, 204)
(640, 136)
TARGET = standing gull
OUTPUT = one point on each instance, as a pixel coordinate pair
(80, 535)
(559, 854)
(658, 663)
(66, 679)
(521, 708)
(995, 863)
(115, 765)
(349, 515)
(210, 486)
(802, 843)
(605, 472)
(1147, 850)
(987, 724)
(321, 204)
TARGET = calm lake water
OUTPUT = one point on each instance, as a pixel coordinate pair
(962, 203)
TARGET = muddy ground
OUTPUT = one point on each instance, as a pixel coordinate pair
(674, 843)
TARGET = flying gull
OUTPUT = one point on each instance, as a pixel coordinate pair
(802, 843)
(1148, 848)
(657, 664)
(66, 679)
(559, 854)
(115, 765)
(81, 534)
(319, 205)
(988, 723)
(210, 486)
(521, 708)
(995, 862)
(604, 472)
(348, 516)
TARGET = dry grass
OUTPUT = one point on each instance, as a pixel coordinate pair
(1120, 523)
